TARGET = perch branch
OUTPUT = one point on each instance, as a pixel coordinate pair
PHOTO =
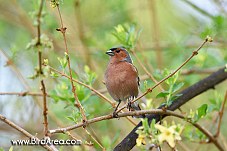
(208, 83)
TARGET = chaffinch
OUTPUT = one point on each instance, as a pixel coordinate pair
(121, 78)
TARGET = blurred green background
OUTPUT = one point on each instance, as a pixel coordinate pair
(170, 31)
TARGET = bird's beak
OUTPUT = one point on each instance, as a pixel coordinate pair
(110, 53)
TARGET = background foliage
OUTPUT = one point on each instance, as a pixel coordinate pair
(168, 32)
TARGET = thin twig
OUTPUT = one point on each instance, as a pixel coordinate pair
(23, 93)
(85, 85)
(43, 88)
(183, 72)
(195, 52)
(145, 70)
(100, 145)
(77, 102)
(221, 112)
(18, 128)
(209, 135)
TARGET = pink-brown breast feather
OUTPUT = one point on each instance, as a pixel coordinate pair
(122, 81)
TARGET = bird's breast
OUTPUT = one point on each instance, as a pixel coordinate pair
(121, 82)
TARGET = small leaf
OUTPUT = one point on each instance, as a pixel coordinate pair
(70, 118)
(202, 110)
(162, 94)
(174, 97)
(53, 74)
(176, 87)
(145, 124)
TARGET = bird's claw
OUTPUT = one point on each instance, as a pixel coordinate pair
(129, 106)
(115, 114)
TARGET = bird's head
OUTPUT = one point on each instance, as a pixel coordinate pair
(119, 54)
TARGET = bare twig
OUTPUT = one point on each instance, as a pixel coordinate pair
(18, 128)
(85, 85)
(195, 52)
(95, 139)
(221, 112)
(43, 88)
(209, 135)
(22, 93)
(183, 72)
(77, 103)
(145, 70)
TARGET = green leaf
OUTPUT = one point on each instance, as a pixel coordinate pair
(162, 94)
(53, 74)
(63, 62)
(152, 127)
(174, 97)
(70, 118)
(176, 87)
(145, 124)
(202, 111)
(127, 35)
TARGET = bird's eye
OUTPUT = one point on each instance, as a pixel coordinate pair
(117, 51)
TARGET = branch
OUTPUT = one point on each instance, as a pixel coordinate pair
(194, 53)
(110, 116)
(18, 128)
(26, 93)
(143, 112)
(221, 112)
(77, 103)
(210, 82)
(85, 85)
(145, 70)
(43, 88)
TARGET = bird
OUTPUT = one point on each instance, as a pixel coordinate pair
(121, 78)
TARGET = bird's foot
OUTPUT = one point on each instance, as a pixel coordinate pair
(115, 114)
(129, 106)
